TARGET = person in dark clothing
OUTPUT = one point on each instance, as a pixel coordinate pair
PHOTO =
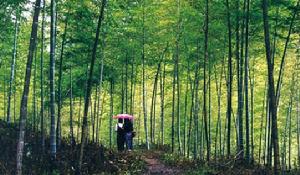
(128, 129)
(120, 135)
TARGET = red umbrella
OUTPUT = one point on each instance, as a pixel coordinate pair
(123, 116)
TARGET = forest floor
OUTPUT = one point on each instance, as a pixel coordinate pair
(96, 159)
(155, 166)
(99, 160)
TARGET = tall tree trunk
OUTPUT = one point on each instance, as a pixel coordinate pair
(52, 81)
(100, 117)
(261, 125)
(178, 107)
(239, 57)
(282, 64)
(298, 103)
(177, 55)
(192, 87)
(290, 121)
(4, 92)
(12, 69)
(173, 107)
(126, 84)
(252, 84)
(285, 135)
(209, 103)
(132, 78)
(196, 107)
(186, 108)
(79, 118)
(143, 80)
(72, 139)
(94, 114)
(153, 101)
(15, 100)
(205, 85)
(289, 118)
(271, 89)
(100, 88)
(59, 101)
(34, 92)
(122, 90)
(111, 111)
(247, 155)
(229, 91)
(42, 79)
(23, 111)
(162, 104)
(219, 121)
(89, 86)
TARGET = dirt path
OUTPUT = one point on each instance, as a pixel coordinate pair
(155, 166)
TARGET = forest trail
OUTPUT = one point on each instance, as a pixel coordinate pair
(154, 166)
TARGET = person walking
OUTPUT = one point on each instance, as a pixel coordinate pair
(120, 135)
(128, 129)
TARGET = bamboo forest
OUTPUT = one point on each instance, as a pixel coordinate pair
(146, 87)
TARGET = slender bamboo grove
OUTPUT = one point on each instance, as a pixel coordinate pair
(209, 81)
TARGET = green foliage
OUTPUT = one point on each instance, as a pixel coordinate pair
(121, 42)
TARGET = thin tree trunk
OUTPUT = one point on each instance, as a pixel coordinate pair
(111, 111)
(59, 101)
(177, 55)
(162, 104)
(100, 117)
(178, 108)
(79, 118)
(4, 92)
(185, 108)
(286, 130)
(52, 81)
(191, 115)
(100, 87)
(23, 111)
(153, 101)
(34, 92)
(290, 134)
(94, 114)
(229, 91)
(196, 109)
(132, 78)
(289, 116)
(219, 121)
(42, 79)
(126, 84)
(298, 103)
(72, 139)
(247, 155)
(239, 57)
(15, 100)
(209, 104)
(205, 85)
(143, 81)
(89, 86)
(282, 64)
(173, 107)
(261, 125)
(122, 90)
(252, 84)
(272, 95)
(12, 69)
